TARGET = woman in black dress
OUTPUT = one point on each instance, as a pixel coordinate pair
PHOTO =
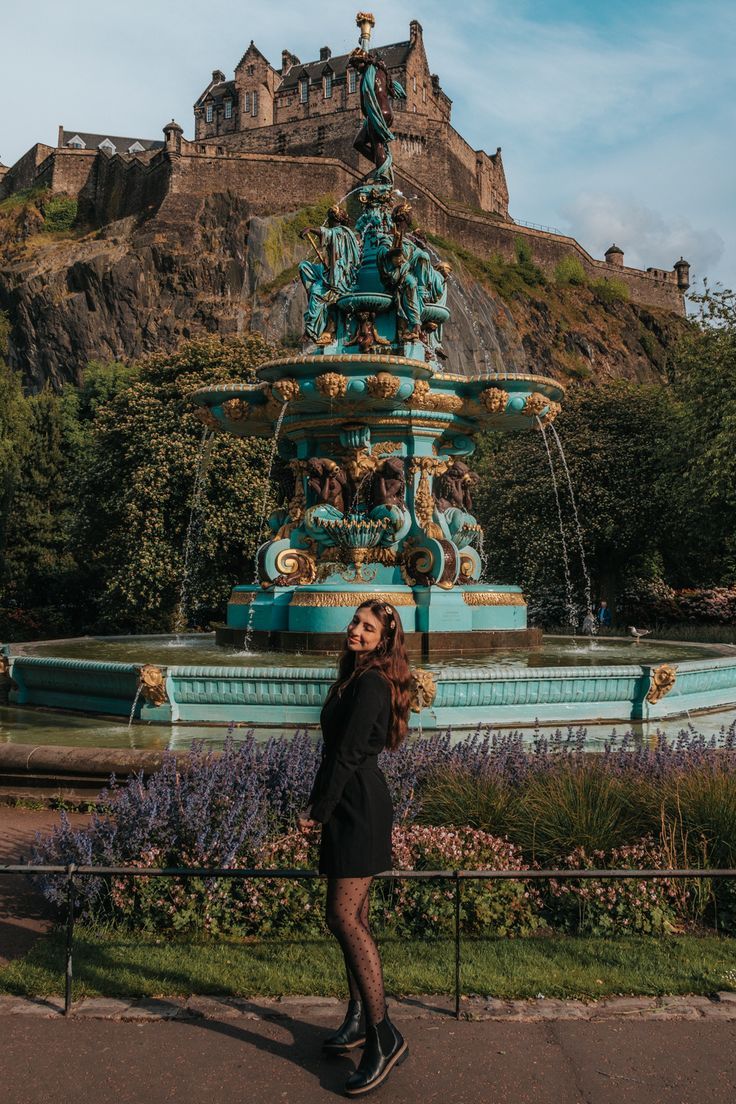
(366, 710)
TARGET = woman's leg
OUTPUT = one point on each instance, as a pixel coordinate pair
(347, 919)
(365, 920)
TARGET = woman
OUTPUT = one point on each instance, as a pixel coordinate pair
(366, 710)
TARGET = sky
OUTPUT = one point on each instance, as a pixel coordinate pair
(616, 119)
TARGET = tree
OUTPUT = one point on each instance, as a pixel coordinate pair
(617, 441)
(136, 493)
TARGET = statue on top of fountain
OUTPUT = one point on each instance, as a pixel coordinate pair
(376, 89)
(331, 275)
(407, 271)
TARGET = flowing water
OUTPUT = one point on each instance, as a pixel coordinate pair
(138, 693)
(194, 526)
(262, 520)
(578, 527)
(571, 610)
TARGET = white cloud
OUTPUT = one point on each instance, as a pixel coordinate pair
(647, 238)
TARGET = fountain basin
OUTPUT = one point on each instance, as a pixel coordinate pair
(283, 690)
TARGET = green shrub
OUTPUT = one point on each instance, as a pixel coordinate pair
(582, 806)
(419, 907)
(59, 213)
(465, 797)
(570, 271)
(628, 906)
(609, 291)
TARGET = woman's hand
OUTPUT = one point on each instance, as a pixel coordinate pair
(304, 820)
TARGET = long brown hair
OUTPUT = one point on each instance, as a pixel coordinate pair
(390, 660)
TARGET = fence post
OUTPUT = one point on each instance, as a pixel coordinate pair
(69, 937)
(457, 944)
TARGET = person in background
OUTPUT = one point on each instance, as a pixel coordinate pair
(603, 616)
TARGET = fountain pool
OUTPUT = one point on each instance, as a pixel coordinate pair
(189, 680)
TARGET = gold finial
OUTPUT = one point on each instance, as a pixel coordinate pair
(366, 22)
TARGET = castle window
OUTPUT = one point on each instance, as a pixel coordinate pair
(254, 108)
(414, 84)
(352, 80)
(208, 113)
(424, 93)
(77, 143)
(246, 103)
(228, 109)
(303, 90)
(107, 146)
(327, 83)
(281, 143)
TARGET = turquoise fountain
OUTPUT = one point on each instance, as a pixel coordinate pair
(378, 439)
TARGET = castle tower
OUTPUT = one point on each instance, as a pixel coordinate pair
(614, 255)
(682, 268)
(172, 137)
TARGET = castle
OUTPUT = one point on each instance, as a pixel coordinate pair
(283, 137)
(314, 108)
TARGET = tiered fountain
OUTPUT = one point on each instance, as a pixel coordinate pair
(378, 437)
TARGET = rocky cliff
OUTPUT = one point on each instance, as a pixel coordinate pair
(146, 283)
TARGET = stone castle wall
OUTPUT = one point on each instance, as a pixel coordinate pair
(432, 152)
(110, 188)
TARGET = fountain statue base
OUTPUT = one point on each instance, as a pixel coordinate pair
(438, 623)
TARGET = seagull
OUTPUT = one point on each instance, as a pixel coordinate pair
(638, 633)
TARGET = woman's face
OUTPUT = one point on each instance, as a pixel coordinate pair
(364, 632)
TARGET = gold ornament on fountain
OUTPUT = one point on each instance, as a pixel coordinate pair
(383, 385)
(365, 22)
(286, 389)
(663, 679)
(535, 404)
(494, 400)
(423, 689)
(420, 395)
(552, 412)
(332, 385)
(152, 684)
(235, 410)
(423, 497)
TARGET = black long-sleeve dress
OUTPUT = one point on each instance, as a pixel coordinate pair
(350, 795)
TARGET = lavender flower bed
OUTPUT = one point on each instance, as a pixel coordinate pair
(238, 808)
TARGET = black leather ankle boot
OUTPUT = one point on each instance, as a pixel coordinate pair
(350, 1034)
(385, 1048)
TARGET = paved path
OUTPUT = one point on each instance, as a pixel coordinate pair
(262, 1059)
(23, 912)
(638, 1051)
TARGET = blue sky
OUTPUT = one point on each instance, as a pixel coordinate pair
(616, 120)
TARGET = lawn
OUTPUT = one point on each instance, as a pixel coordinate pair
(137, 964)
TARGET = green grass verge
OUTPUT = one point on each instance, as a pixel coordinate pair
(111, 964)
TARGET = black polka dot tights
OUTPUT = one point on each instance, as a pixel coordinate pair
(348, 904)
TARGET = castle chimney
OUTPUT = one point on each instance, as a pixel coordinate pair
(325, 53)
(60, 139)
(217, 76)
(415, 31)
(287, 60)
(682, 268)
(614, 255)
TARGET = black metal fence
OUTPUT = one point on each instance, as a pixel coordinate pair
(71, 872)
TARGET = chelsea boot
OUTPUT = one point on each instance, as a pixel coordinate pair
(349, 1034)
